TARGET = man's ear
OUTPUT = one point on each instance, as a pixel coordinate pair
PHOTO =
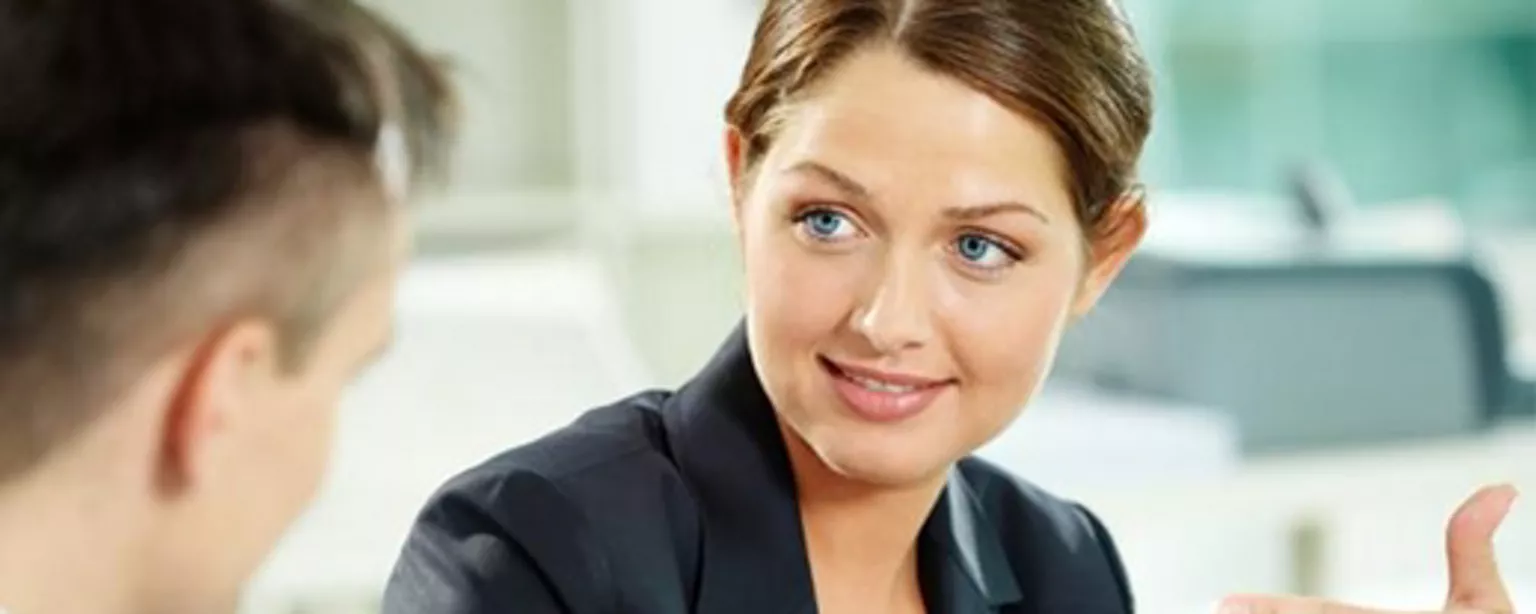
(1111, 247)
(224, 379)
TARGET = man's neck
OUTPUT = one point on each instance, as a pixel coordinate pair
(58, 552)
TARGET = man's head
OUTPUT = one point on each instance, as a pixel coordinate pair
(200, 226)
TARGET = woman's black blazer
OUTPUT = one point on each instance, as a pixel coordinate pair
(683, 502)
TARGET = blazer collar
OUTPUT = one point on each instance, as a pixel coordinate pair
(728, 447)
(965, 566)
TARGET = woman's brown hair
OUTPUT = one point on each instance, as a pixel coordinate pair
(1072, 65)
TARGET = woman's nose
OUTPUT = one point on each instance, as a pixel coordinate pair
(895, 316)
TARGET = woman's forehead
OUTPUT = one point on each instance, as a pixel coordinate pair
(886, 123)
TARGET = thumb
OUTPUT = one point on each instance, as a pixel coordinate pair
(1475, 581)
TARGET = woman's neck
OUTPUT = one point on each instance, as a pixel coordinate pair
(861, 539)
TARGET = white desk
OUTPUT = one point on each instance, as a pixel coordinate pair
(1071, 439)
(1380, 516)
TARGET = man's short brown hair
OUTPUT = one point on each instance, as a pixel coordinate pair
(168, 164)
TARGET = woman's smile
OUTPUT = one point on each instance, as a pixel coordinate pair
(883, 396)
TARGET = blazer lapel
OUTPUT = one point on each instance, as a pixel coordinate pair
(727, 445)
(964, 566)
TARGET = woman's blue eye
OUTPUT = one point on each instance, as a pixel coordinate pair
(983, 252)
(827, 225)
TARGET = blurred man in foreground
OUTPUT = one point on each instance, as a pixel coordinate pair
(201, 222)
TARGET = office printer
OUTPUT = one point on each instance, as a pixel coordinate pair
(1310, 332)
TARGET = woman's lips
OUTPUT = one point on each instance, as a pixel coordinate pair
(883, 396)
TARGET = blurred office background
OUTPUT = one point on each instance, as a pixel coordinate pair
(1328, 342)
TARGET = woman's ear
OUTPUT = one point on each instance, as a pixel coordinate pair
(735, 146)
(1110, 247)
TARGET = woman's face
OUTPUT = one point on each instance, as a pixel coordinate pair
(912, 258)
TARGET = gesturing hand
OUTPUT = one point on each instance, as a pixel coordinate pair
(1476, 586)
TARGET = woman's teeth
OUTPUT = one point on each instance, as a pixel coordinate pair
(879, 386)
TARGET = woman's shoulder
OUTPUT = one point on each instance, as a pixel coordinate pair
(1056, 534)
(608, 444)
(1005, 495)
(542, 523)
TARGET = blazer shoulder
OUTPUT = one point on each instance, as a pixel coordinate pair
(1006, 495)
(604, 438)
(541, 512)
(1063, 535)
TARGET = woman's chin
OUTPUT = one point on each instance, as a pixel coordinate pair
(884, 466)
(875, 455)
